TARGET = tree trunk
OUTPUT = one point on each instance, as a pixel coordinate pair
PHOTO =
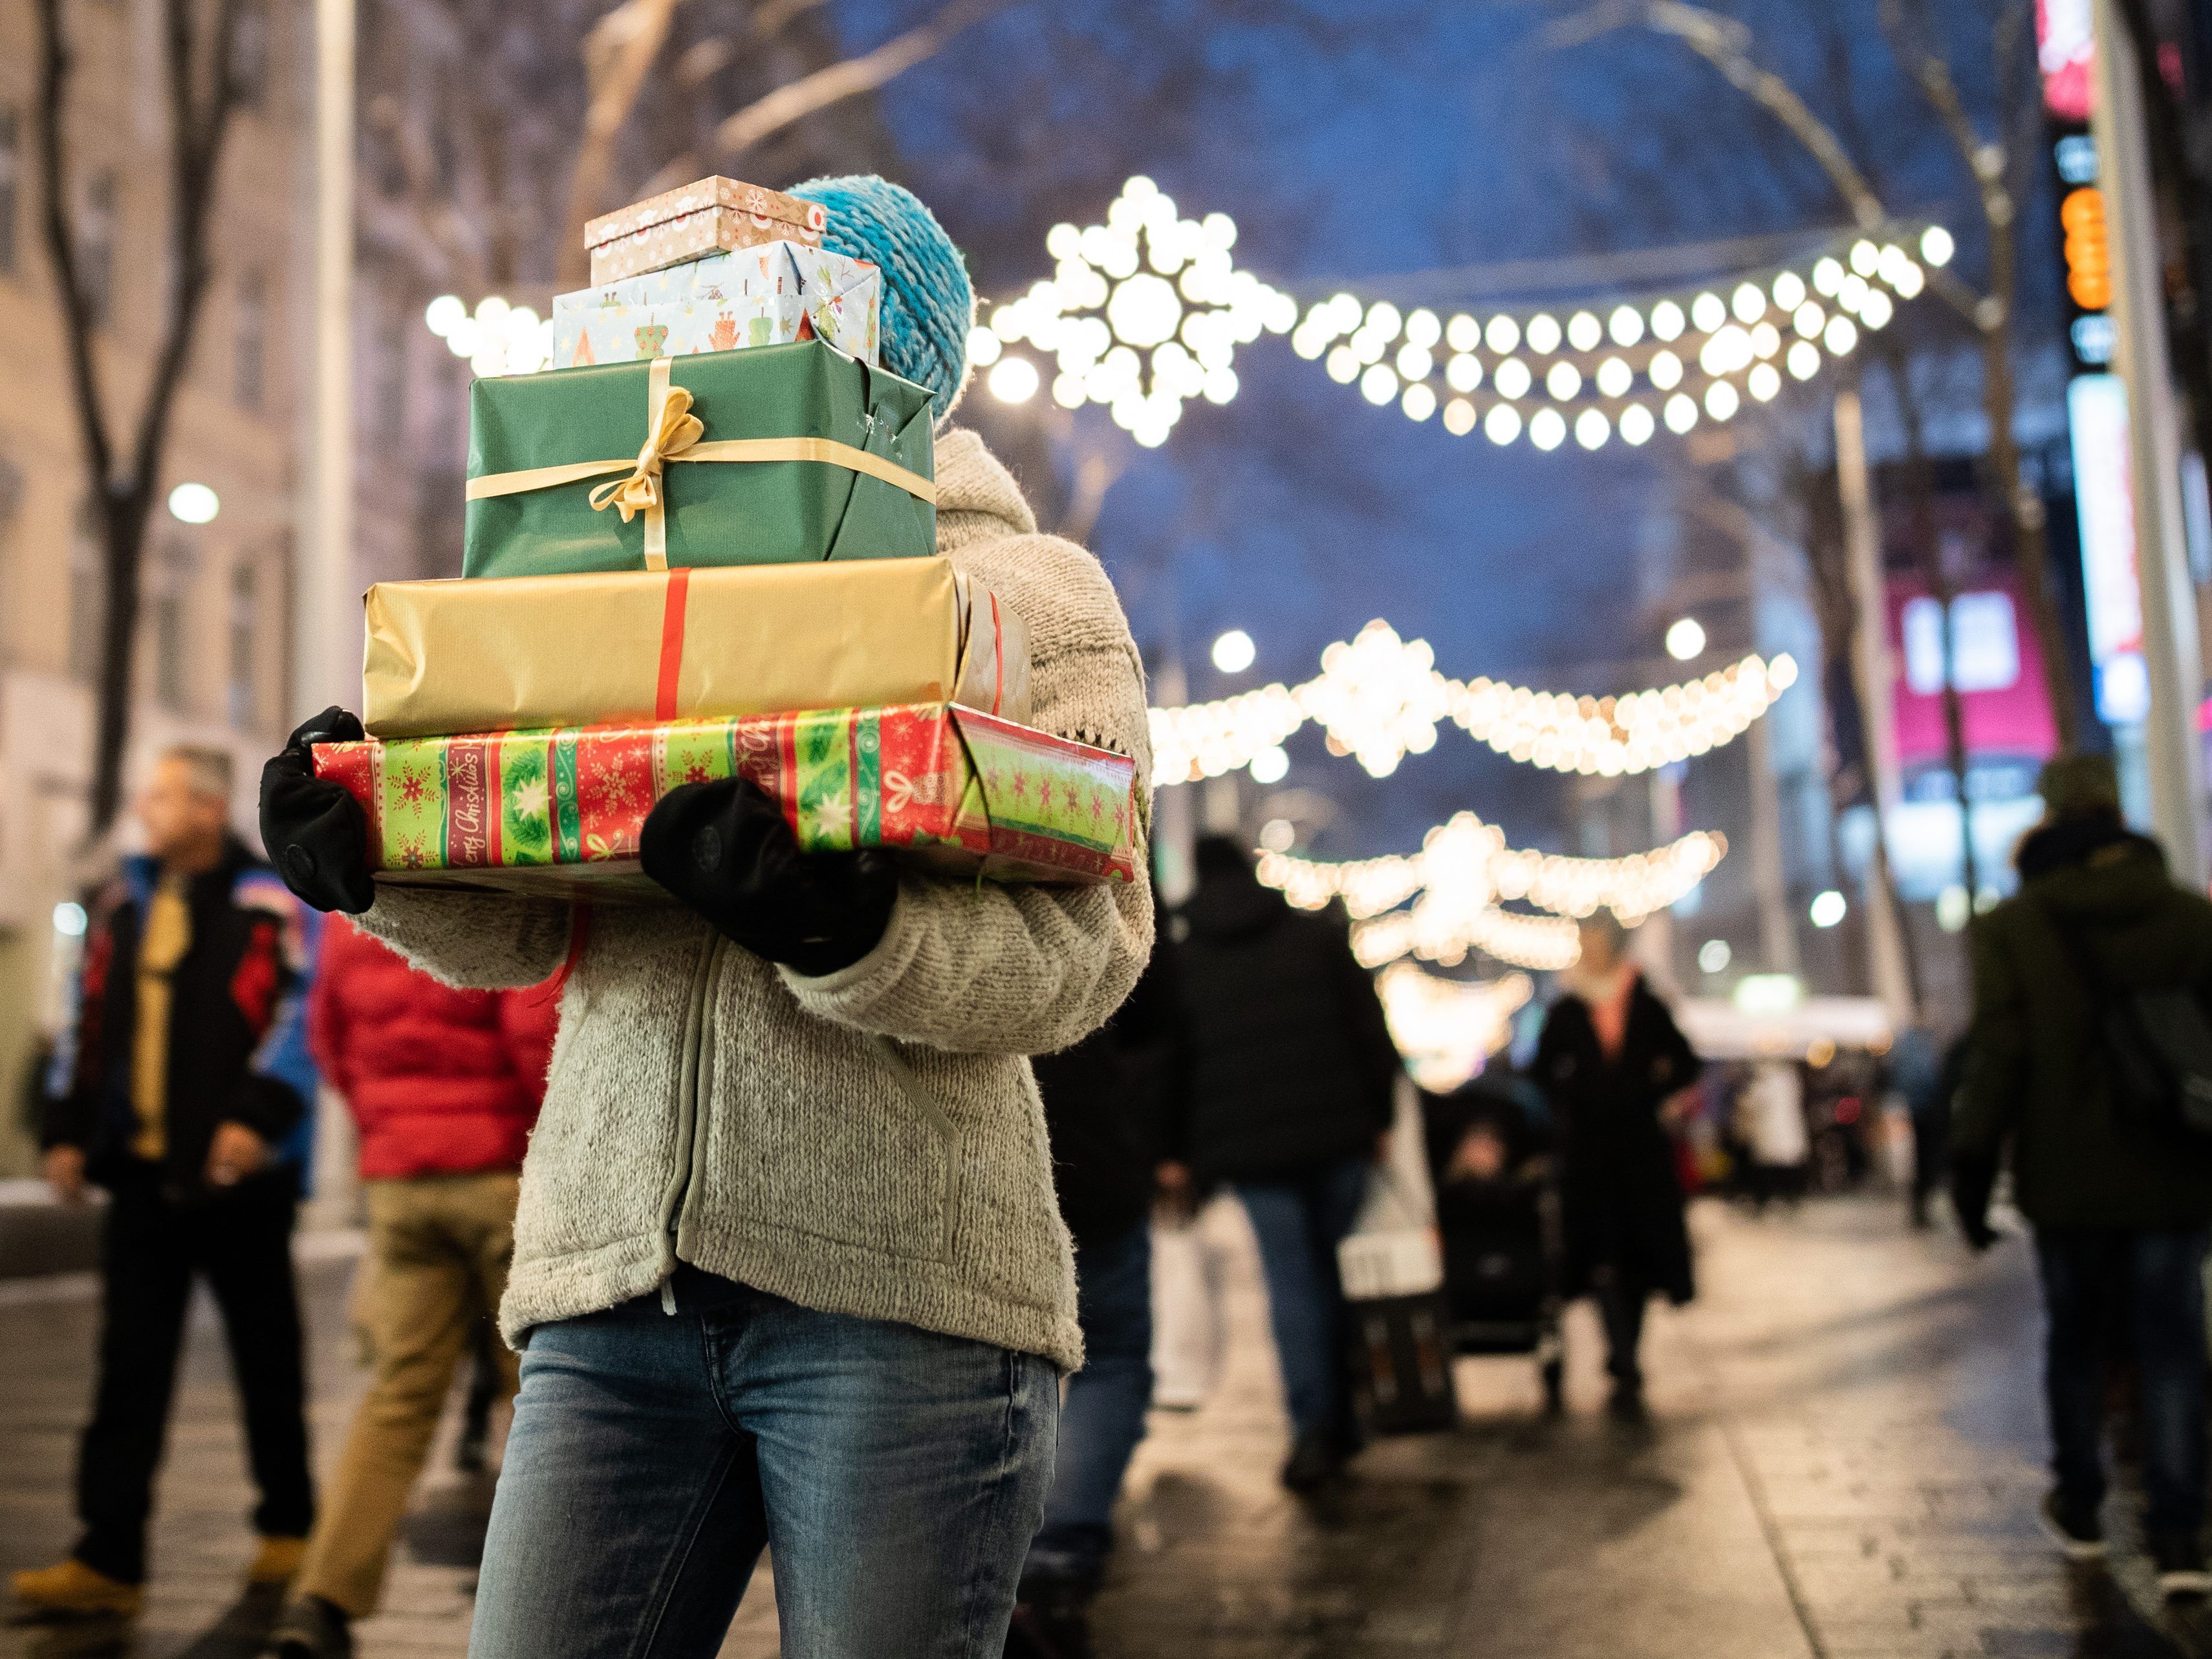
(123, 525)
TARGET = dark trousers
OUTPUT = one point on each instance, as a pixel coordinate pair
(1102, 1417)
(152, 1247)
(1299, 1224)
(2092, 1278)
(1622, 1296)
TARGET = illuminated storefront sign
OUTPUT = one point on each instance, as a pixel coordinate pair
(2097, 412)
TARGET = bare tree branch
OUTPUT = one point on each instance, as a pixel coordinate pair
(55, 64)
(800, 98)
(618, 54)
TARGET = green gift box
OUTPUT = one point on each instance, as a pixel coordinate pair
(777, 455)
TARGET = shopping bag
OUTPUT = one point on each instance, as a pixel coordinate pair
(1398, 1318)
(1188, 1340)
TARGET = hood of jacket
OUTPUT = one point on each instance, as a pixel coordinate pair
(2096, 874)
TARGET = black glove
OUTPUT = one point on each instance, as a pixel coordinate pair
(725, 850)
(316, 833)
(1973, 1178)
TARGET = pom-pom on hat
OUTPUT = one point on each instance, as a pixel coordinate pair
(928, 302)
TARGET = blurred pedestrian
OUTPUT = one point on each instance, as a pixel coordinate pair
(1288, 1068)
(444, 1086)
(2119, 1196)
(182, 1087)
(1927, 1074)
(1617, 1071)
(1775, 1134)
(1110, 1112)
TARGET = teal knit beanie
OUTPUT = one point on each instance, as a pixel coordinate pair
(929, 304)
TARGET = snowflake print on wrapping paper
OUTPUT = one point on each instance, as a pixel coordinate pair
(830, 813)
(531, 798)
(414, 789)
(414, 853)
(696, 770)
(614, 789)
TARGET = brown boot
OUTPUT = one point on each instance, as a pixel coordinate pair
(75, 1590)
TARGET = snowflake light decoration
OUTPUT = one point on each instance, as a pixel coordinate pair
(1139, 313)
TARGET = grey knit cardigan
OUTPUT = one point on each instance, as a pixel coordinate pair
(867, 1142)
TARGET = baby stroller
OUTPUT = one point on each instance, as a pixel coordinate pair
(1497, 1214)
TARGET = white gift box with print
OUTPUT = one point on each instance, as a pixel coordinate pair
(768, 295)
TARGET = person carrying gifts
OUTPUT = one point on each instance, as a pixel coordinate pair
(788, 1269)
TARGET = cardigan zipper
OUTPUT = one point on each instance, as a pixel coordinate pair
(689, 1112)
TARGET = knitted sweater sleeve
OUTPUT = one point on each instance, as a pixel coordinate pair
(473, 941)
(991, 969)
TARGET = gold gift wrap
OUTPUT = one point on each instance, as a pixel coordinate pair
(523, 653)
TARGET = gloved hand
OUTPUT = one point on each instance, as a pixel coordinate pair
(1973, 1178)
(725, 850)
(316, 833)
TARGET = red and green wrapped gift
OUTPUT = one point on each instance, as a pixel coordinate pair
(550, 811)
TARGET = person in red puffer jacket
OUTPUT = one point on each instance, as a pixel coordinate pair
(445, 1087)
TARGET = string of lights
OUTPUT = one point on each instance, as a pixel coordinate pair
(1446, 1028)
(1671, 360)
(1463, 876)
(1139, 313)
(1380, 698)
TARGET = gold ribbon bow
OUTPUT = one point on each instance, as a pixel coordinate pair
(673, 429)
(675, 434)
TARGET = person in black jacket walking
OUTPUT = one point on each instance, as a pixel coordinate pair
(183, 1090)
(1616, 1068)
(1288, 1068)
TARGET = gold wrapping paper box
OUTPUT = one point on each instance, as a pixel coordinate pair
(523, 652)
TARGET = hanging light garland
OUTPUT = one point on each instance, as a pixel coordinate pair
(1139, 313)
(1671, 361)
(1465, 872)
(1380, 698)
(1446, 1028)
(1146, 311)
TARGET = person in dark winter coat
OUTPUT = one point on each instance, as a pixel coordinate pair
(2120, 1205)
(444, 1086)
(1615, 1067)
(1113, 1114)
(1288, 1068)
(183, 1087)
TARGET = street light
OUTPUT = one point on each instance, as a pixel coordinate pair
(1714, 956)
(1234, 651)
(1827, 908)
(1685, 639)
(194, 503)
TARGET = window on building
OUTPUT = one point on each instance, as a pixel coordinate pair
(11, 188)
(244, 626)
(95, 250)
(171, 585)
(250, 340)
(249, 55)
(87, 590)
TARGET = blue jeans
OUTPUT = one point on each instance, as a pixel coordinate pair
(2093, 1278)
(1102, 1417)
(897, 1475)
(1299, 1226)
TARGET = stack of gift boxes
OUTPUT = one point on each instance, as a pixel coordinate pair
(704, 544)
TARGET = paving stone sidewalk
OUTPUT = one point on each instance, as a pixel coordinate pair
(1845, 1462)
